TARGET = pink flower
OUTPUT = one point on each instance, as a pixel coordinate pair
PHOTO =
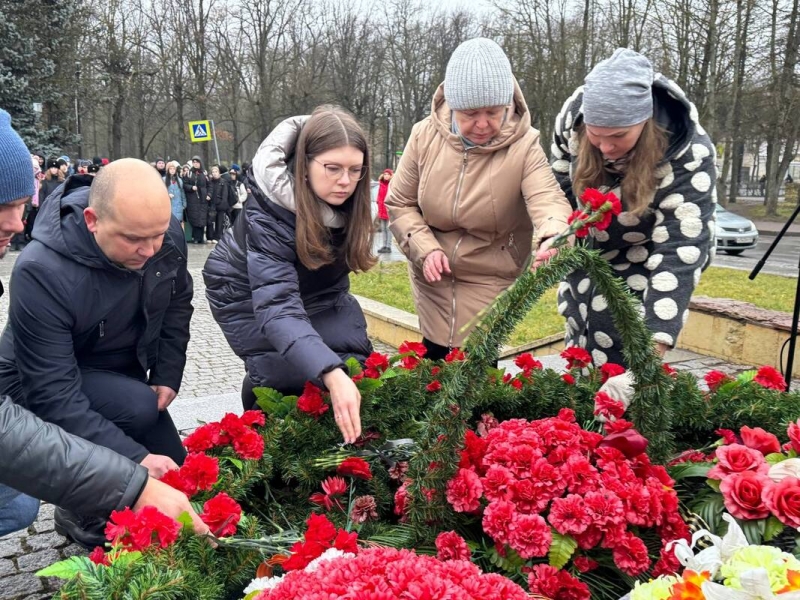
(464, 491)
(334, 487)
(497, 520)
(631, 556)
(569, 516)
(451, 546)
(584, 564)
(736, 458)
(783, 500)
(742, 494)
(758, 439)
(364, 509)
(794, 435)
(630, 442)
(530, 536)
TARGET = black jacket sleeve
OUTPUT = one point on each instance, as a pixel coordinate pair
(46, 462)
(45, 356)
(175, 327)
(278, 307)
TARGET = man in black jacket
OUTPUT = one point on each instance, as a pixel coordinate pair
(40, 459)
(99, 319)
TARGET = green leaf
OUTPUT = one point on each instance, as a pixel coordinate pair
(353, 366)
(772, 528)
(185, 520)
(753, 530)
(561, 550)
(746, 376)
(711, 511)
(67, 569)
(510, 563)
(252, 595)
(126, 559)
(234, 461)
(727, 388)
(268, 399)
(684, 470)
(389, 374)
(368, 385)
(775, 458)
(713, 484)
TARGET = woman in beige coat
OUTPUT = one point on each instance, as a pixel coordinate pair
(472, 189)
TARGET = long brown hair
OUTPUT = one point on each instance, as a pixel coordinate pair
(332, 127)
(640, 178)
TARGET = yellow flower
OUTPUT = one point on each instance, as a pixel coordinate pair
(655, 589)
(772, 560)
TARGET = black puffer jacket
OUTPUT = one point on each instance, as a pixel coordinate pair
(290, 325)
(46, 462)
(72, 308)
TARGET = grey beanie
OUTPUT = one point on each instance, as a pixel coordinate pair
(617, 92)
(478, 75)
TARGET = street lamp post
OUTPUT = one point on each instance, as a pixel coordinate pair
(77, 107)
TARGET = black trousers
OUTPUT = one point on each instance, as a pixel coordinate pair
(197, 234)
(435, 351)
(133, 407)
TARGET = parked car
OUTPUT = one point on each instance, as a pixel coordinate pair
(735, 234)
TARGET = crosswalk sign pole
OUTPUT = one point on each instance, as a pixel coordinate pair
(214, 135)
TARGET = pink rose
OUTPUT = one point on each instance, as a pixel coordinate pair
(735, 458)
(783, 500)
(794, 435)
(758, 439)
(742, 493)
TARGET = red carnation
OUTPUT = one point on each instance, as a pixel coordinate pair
(794, 435)
(770, 378)
(135, 530)
(714, 379)
(417, 348)
(451, 546)
(200, 471)
(568, 379)
(99, 557)
(530, 536)
(610, 370)
(455, 355)
(311, 402)
(333, 488)
(434, 386)
(346, 542)
(728, 436)
(631, 556)
(569, 516)
(249, 445)
(669, 370)
(464, 491)
(617, 426)
(527, 363)
(606, 406)
(579, 215)
(355, 467)
(253, 417)
(577, 358)
(377, 361)
(203, 438)
(175, 479)
(584, 564)
(221, 514)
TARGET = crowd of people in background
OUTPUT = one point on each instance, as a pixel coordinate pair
(206, 202)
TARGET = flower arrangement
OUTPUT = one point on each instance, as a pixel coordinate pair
(752, 476)
(730, 569)
(549, 488)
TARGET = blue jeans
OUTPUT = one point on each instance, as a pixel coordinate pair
(17, 510)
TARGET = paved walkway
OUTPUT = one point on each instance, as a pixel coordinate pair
(211, 388)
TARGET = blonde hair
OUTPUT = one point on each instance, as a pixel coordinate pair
(332, 127)
(639, 181)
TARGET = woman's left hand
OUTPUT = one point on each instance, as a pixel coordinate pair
(544, 253)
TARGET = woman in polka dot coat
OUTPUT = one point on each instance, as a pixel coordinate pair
(636, 134)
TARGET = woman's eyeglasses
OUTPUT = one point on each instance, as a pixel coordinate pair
(336, 171)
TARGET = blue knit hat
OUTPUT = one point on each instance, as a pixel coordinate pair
(16, 179)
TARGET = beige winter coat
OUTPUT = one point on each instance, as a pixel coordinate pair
(479, 206)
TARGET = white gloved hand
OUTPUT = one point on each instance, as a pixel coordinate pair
(619, 388)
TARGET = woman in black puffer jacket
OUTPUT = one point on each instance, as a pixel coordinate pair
(278, 282)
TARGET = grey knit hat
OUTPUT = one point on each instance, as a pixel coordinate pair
(478, 75)
(617, 93)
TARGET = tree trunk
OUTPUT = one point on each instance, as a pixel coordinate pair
(722, 182)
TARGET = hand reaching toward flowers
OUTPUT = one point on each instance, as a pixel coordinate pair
(346, 401)
(169, 501)
(619, 388)
(545, 252)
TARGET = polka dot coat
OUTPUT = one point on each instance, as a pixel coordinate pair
(661, 253)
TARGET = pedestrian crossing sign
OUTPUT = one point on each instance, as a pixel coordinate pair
(200, 131)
